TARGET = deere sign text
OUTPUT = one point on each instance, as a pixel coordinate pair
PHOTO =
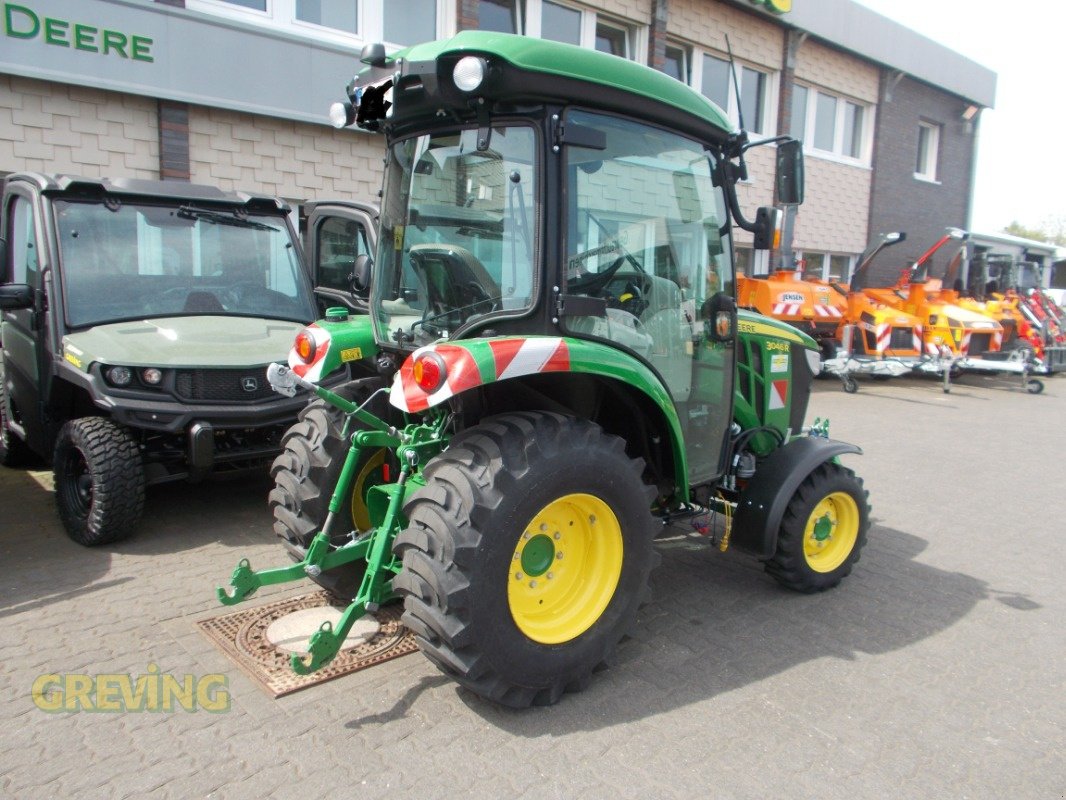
(21, 22)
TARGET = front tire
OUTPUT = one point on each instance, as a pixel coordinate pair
(822, 531)
(305, 475)
(99, 481)
(526, 556)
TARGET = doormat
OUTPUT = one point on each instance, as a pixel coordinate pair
(241, 635)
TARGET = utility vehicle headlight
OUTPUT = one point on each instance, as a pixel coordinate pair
(469, 72)
(119, 376)
(152, 376)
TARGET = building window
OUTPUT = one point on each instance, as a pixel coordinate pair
(407, 22)
(928, 151)
(816, 266)
(716, 84)
(341, 15)
(676, 63)
(502, 16)
(560, 23)
(612, 39)
(831, 125)
(348, 22)
(565, 22)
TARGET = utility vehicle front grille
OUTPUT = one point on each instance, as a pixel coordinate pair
(223, 385)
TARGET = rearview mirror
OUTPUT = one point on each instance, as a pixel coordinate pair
(790, 172)
(767, 231)
(361, 275)
(14, 296)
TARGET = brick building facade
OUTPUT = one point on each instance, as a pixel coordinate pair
(234, 93)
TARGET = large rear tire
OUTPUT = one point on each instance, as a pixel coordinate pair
(823, 530)
(526, 556)
(99, 481)
(305, 475)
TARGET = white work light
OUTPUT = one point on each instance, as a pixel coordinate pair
(469, 72)
(341, 115)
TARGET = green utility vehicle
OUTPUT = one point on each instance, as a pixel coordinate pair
(138, 320)
(553, 368)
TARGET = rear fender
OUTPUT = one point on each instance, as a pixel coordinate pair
(478, 362)
(336, 344)
(763, 503)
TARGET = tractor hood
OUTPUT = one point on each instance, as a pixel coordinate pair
(182, 342)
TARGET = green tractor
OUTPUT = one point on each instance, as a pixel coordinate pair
(552, 369)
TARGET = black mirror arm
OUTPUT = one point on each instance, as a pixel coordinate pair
(732, 173)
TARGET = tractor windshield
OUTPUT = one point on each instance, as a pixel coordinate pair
(126, 261)
(457, 233)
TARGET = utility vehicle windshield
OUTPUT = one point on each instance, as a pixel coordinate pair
(131, 261)
(457, 233)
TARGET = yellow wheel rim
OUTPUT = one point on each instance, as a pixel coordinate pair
(360, 514)
(831, 533)
(565, 568)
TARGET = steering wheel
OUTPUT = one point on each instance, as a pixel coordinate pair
(233, 294)
(632, 299)
(169, 300)
(594, 283)
(479, 295)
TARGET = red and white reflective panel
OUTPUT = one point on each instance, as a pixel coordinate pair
(778, 394)
(787, 309)
(511, 357)
(827, 311)
(313, 371)
(884, 336)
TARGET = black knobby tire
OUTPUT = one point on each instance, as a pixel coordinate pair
(13, 451)
(460, 553)
(305, 475)
(792, 565)
(99, 481)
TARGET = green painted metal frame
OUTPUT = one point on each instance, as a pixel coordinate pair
(414, 445)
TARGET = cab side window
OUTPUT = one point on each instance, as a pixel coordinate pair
(23, 253)
(340, 242)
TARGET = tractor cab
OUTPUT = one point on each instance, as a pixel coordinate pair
(484, 133)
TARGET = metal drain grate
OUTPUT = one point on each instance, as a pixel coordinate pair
(242, 637)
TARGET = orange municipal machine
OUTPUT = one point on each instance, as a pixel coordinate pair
(955, 339)
(815, 307)
(875, 338)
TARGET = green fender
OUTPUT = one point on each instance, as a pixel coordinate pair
(471, 363)
(337, 342)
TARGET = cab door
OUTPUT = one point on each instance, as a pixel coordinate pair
(647, 234)
(336, 234)
(23, 331)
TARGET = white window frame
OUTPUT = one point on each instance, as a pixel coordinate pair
(686, 59)
(837, 153)
(931, 156)
(769, 100)
(281, 15)
(532, 13)
(823, 269)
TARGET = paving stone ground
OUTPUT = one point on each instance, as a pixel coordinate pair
(938, 669)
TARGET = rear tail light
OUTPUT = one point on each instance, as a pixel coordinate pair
(429, 372)
(305, 346)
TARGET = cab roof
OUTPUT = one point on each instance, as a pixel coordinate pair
(552, 68)
(178, 191)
